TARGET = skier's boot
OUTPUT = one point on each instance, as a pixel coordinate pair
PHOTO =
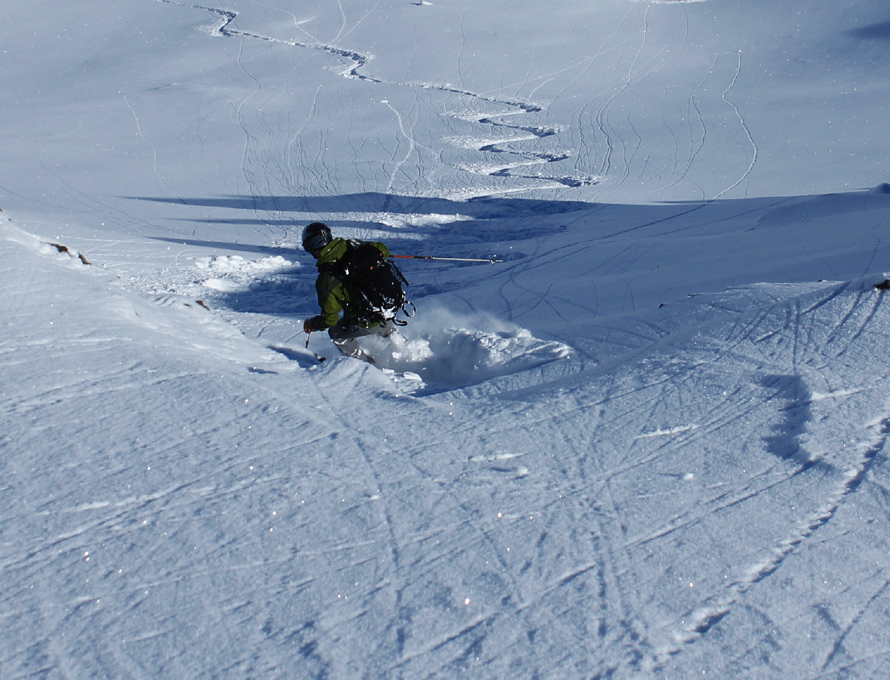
(351, 348)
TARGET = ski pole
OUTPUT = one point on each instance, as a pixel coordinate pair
(492, 260)
(317, 355)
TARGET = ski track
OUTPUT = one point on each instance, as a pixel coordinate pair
(607, 142)
(742, 338)
(357, 63)
(718, 606)
(745, 129)
(591, 516)
(704, 618)
(581, 497)
(507, 137)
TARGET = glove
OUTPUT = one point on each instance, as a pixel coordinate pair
(307, 326)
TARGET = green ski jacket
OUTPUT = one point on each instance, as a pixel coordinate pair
(333, 296)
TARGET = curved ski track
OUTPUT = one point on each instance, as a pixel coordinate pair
(357, 63)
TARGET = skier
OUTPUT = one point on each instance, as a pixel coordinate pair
(335, 295)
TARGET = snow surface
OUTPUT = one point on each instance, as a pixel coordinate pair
(652, 442)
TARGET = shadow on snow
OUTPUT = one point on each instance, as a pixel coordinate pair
(445, 227)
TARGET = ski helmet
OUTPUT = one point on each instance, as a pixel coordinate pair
(316, 236)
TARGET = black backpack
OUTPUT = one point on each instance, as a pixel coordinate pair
(374, 284)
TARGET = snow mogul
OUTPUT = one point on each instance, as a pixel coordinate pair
(355, 279)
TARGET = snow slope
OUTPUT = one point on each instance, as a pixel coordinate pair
(650, 442)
